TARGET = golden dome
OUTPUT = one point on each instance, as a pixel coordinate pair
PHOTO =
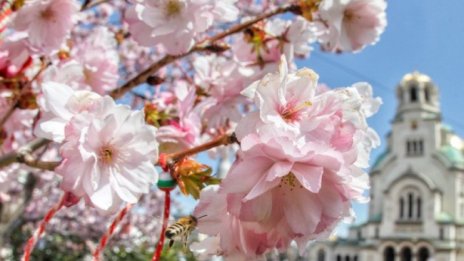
(416, 77)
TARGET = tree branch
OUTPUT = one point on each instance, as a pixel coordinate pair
(29, 148)
(225, 139)
(201, 46)
(24, 154)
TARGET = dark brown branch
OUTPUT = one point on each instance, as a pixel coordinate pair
(201, 46)
(225, 139)
(31, 161)
(24, 155)
(29, 148)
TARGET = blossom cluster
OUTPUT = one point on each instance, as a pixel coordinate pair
(188, 71)
(108, 150)
(298, 168)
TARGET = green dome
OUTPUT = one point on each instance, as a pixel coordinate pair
(453, 155)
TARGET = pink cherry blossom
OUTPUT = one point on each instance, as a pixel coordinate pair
(175, 23)
(59, 105)
(263, 58)
(108, 151)
(298, 167)
(295, 36)
(262, 49)
(352, 24)
(14, 54)
(99, 60)
(224, 80)
(47, 22)
(94, 66)
(111, 160)
(184, 133)
(283, 98)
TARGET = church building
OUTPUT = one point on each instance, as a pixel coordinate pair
(416, 211)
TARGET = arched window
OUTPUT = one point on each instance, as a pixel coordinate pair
(401, 208)
(347, 258)
(406, 254)
(415, 147)
(389, 254)
(355, 258)
(427, 94)
(321, 255)
(423, 254)
(339, 258)
(419, 206)
(410, 205)
(413, 93)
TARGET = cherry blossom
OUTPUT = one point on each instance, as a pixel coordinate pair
(108, 152)
(46, 22)
(175, 23)
(304, 147)
(59, 105)
(14, 54)
(99, 60)
(292, 152)
(352, 24)
(224, 80)
(111, 161)
(283, 99)
(94, 65)
(184, 133)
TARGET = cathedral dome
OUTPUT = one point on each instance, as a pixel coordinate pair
(415, 77)
(417, 97)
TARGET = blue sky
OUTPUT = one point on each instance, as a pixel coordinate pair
(422, 35)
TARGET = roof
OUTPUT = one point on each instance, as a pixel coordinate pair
(452, 155)
(444, 217)
(416, 76)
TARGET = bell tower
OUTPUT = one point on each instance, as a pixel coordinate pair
(417, 98)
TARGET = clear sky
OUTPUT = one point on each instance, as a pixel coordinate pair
(423, 35)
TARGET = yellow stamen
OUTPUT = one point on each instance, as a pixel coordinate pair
(290, 180)
(106, 155)
(289, 114)
(173, 7)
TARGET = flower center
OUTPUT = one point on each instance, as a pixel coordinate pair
(47, 14)
(289, 181)
(293, 113)
(350, 15)
(173, 8)
(106, 155)
(87, 76)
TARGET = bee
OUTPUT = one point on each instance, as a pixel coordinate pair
(181, 229)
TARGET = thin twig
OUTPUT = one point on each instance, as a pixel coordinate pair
(24, 155)
(225, 139)
(14, 156)
(201, 46)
